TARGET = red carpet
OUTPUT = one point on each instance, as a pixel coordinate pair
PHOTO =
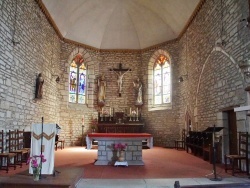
(159, 163)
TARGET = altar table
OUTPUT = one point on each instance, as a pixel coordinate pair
(106, 153)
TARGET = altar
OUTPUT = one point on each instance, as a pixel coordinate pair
(106, 141)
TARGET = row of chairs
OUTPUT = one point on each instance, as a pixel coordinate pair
(12, 151)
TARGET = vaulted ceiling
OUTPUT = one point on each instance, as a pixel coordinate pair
(120, 24)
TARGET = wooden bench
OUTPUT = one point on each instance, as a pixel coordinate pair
(200, 144)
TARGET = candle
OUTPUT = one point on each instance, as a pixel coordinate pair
(137, 112)
(110, 111)
(102, 110)
(130, 110)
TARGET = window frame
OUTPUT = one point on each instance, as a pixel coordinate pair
(151, 100)
(80, 62)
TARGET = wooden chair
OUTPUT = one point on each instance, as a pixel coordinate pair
(6, 159)
(14, 147)
(181, 143)
(20, 145)
(236, 160)
(58, 140)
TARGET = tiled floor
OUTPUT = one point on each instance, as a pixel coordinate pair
(163, 167)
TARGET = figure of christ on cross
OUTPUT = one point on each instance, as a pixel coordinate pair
(120, 73)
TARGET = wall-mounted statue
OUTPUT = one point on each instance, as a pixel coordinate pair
(102, 83)
(39, 86)
(138, 87)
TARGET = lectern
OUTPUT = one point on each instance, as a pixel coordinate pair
(213, 130)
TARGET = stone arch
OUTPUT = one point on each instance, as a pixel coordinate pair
(206, 63)
(215, 49)
(90, 64)
(151, 62)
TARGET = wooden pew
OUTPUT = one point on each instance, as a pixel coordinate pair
(200, 144)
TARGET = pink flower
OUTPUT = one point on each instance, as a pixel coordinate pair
(120, 146)
(34, 161)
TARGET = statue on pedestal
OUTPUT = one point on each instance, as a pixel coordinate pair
(138, 88)
(101, 90)
(39, 86)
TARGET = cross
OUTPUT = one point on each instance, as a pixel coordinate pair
(120, 73)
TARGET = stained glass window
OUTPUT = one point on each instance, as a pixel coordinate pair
(77, 80)
(162, 77)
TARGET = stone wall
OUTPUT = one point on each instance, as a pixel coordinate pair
(97, 64)
(28, 46)
(214, 80)
(107, 154)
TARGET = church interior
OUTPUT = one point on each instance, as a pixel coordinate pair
(175, 72)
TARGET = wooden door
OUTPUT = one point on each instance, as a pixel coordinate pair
(232, 132)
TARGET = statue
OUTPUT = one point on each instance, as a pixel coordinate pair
(101, 90)
(138, 88)
(39, 86)
(119, 80)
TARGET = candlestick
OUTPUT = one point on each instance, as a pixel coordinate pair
(137, 115)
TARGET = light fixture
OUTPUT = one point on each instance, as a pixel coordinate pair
(14, 42)
(57, 78)
(181, 78)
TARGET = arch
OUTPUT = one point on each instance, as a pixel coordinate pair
(150, 93)
(89, 64)
(215, 49)
(229, 58)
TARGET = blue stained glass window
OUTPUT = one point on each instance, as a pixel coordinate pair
(77, 80)
(162, 80)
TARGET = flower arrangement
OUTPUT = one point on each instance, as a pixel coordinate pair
(120, 147)
(34, 161)
(36, 164)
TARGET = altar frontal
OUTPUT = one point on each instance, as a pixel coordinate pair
(107, 154)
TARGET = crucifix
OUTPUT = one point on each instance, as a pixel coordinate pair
(120, 73)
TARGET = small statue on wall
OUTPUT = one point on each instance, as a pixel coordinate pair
(102, 83)
(39, 86)
(138, 88)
